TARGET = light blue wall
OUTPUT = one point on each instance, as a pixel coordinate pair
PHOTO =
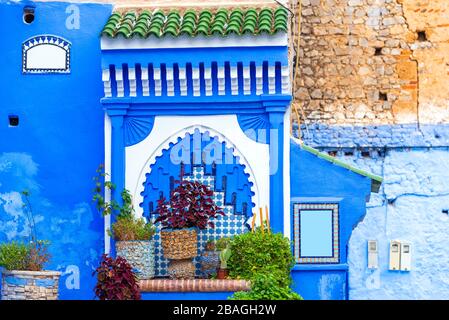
(324, 182)
(59, 142)
(415, 166)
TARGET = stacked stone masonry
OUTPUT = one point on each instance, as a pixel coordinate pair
(30, 285)
(373, 61)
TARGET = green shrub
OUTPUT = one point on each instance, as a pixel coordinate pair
(257, 252)
(131, 228)
(266, 260)
(14, 256)
(265, 286)
(21, 256)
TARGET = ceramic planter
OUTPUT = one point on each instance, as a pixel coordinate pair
(210, 261)
(140, 255)
(30, 285)
(222, 273)
(180, 246)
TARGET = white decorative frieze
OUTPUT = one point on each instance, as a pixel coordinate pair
(46, 54)
(106, 78)
(170, 82)
(183, 81)
(285, 79)
(246, 80)
(234, 81)
(120, 84)
(259, 80)
(208, 80)
(132, 82)
(271, 79)
(157, 82)
(267, 79)
(221, 81)
(196, 81)
(145, 82)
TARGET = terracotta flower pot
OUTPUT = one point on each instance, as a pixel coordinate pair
(139, 254)
(222, 273)
(30, 285)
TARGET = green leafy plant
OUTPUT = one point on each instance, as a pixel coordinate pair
(222, 243)
(265, 286)
(261, 252)
(132, 228)
(264, 258)
(24, 256)
(30, 256)
(225, 254)
(14, 255)
(127, 226)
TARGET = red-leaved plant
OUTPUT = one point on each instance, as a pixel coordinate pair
(191, 205)
(116, 280)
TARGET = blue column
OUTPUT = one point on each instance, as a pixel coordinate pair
(276, 106)
(117, 114)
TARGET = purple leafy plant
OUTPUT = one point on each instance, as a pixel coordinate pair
(191, 205)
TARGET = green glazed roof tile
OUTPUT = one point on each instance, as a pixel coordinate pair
(192, 23)
(376, 181)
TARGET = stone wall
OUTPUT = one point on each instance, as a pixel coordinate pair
(30, 285)
(373, 61)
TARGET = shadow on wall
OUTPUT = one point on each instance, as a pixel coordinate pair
(74, 245)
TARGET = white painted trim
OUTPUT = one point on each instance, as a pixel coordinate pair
(246, 80)
(221, 81)
(107, 170)
(259, 80)
(145, 82)
(208, 80)
(106, 78)
(132, 82)
(170, 82)
(200, 41)
(167, 129)
(196, 81)
(287, 216)
(234, 80)
(271, 79)
(120, 84)
(183, 81)
(157, 81)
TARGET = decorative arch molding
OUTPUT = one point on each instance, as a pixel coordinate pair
(46, 54)
(256, 171)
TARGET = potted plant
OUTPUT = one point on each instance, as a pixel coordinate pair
(116, 280)
(210, 259)
(222, 271)
(24, 277)
(132, 235)
(191, 207)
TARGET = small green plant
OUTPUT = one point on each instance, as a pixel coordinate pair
(132, 228)
(24, 256)
(14, 255)
(222, 243)
(265, 286)
(30, 256)
(127, 227)
(225, 254)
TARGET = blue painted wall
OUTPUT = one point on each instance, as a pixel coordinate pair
(414, 162)
(324, 182)
(59, 141)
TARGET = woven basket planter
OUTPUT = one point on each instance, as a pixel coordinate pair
(30, 285)
(140, 255)
(179, 243)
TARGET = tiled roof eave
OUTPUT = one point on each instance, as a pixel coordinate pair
(278, 40)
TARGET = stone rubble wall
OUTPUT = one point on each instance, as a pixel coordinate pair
(30, 285)
(364, 61)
